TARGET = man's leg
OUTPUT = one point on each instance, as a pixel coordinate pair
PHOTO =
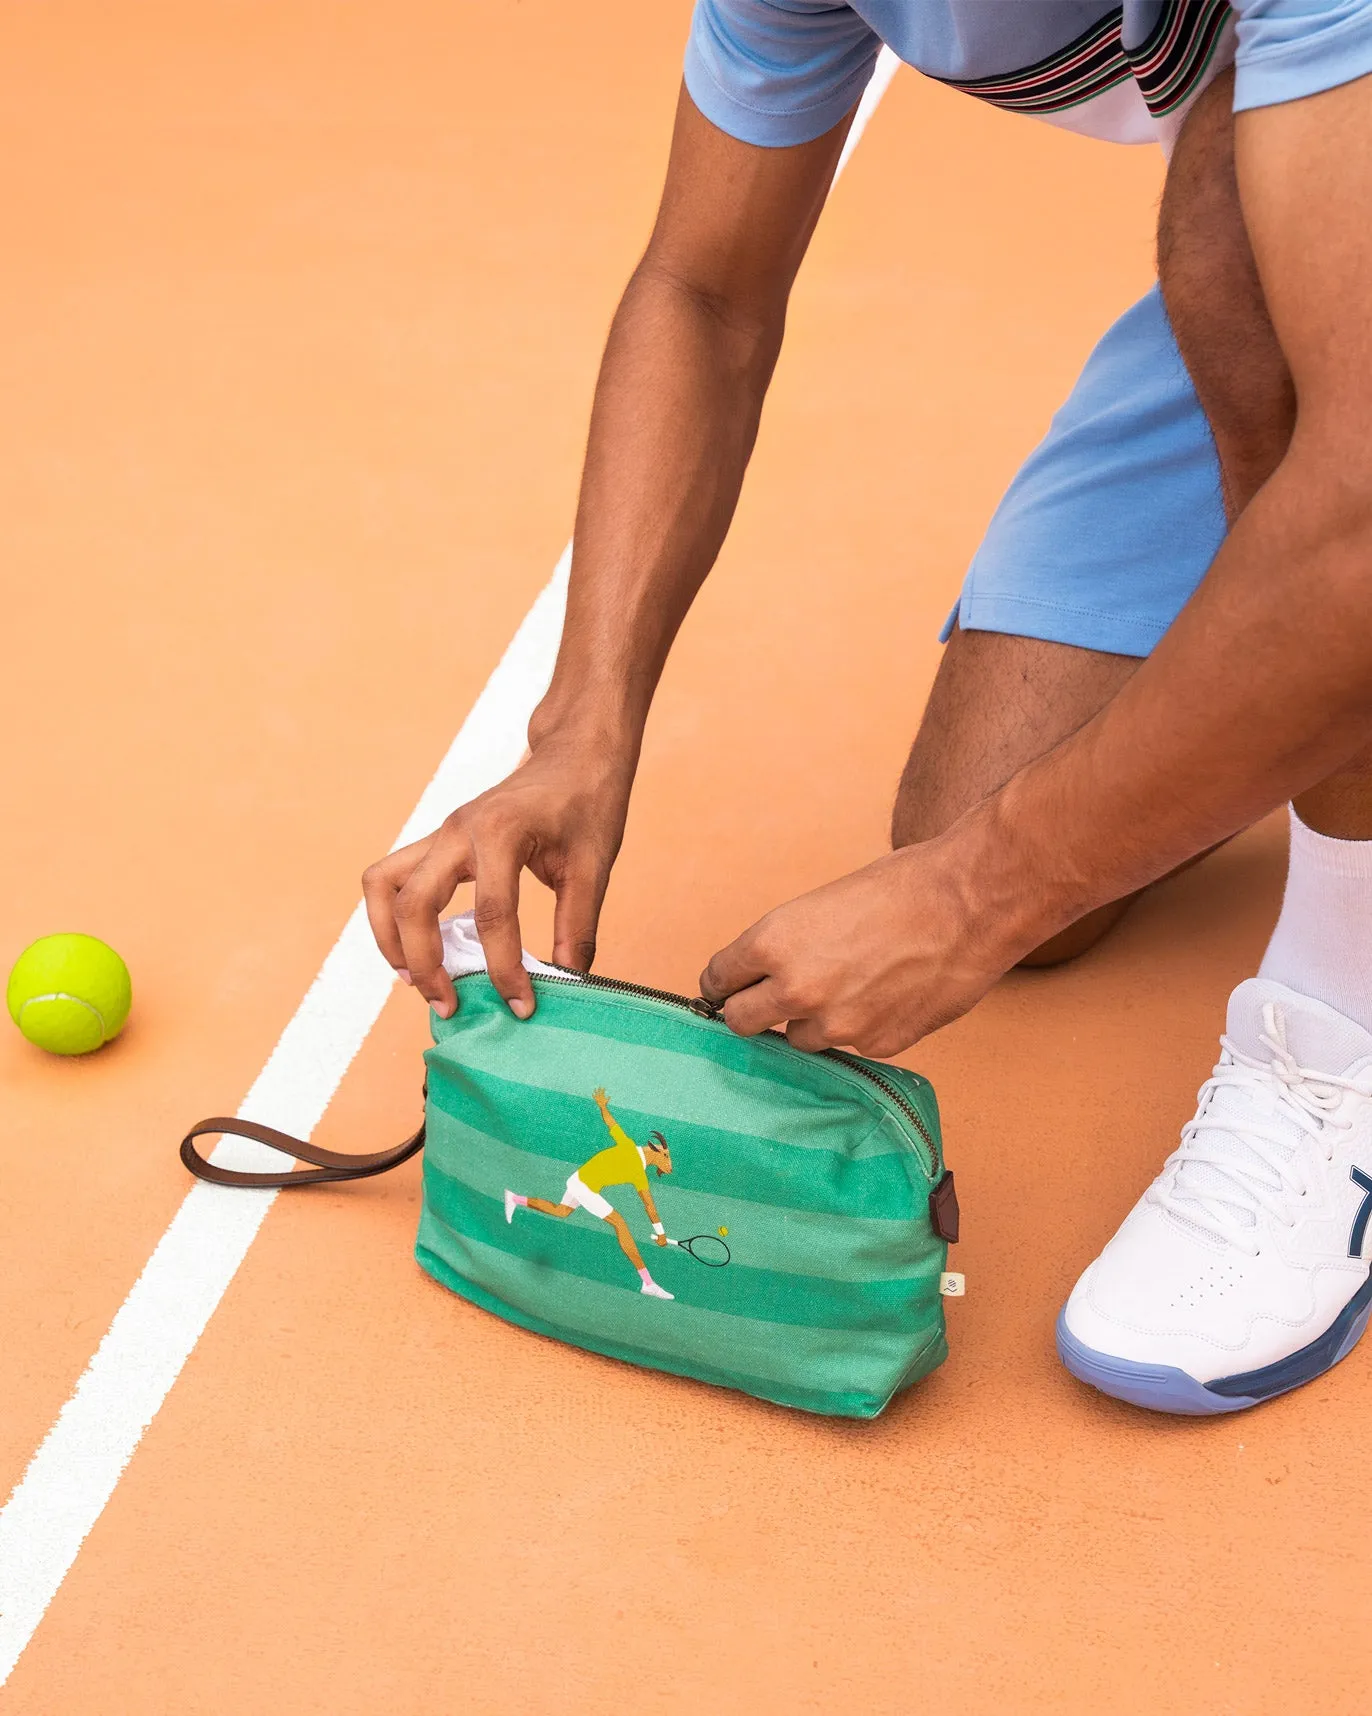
(1241, 1273)
(998, 702)
(1215, 304)
(627, 1246)
(1323, 942)
(517, 1201)
(1098, 543)
(614, 1220)
(625, 1238)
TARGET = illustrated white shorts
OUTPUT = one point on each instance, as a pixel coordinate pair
(581, 1197)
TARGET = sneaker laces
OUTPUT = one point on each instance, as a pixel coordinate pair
(1241, 1153)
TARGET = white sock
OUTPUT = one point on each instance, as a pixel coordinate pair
(1322, 945)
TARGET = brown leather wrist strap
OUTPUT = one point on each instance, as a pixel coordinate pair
(329, 1164)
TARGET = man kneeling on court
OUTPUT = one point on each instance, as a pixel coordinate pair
(622, 1163)
(1166, 634)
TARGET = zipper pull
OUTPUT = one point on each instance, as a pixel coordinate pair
(704, 1009)
(943, 1208)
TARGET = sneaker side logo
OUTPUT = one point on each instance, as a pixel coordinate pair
(1359, 1233)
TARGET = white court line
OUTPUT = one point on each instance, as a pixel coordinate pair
(83, 1456)
(880, 81)
(69, 1480)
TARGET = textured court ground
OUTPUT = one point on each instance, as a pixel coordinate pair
(301, 311)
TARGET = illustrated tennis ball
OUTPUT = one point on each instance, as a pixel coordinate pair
(69, 994)
(723, 1231)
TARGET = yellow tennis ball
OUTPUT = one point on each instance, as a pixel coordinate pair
(723, 1231)
(69, 994)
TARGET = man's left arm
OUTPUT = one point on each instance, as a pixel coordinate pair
(659, 1232)
(1261, 687)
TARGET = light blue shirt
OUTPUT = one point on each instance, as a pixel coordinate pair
(776, 72)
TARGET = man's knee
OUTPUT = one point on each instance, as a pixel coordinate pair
(1341, 804)
(1080, 937)
(1077, 938)
(998, 701)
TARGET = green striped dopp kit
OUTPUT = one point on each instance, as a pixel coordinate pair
(623, 1173)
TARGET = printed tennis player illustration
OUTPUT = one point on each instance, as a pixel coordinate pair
(622, 1163)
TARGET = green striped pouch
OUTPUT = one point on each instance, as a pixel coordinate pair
(623, 1173)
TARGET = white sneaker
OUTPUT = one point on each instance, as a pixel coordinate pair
(1242, 1270)
(654, 1291)
(511, 1205)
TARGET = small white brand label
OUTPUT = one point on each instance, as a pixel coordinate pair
(952, 1286)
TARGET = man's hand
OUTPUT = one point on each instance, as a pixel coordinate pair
(677, 405)
(875, 960)
(560, 815)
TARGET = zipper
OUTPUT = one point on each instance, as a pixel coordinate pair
(704, 1009)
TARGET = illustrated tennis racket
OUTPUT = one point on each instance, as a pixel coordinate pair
(706, 1248)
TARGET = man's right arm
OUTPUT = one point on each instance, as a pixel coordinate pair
(686, 368)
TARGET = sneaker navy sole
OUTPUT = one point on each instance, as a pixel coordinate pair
(1163, 1388)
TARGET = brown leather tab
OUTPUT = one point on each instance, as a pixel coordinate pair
(329, 1164)
(943, 1208)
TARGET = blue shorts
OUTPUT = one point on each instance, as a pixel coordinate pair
(1113, 521)
(1115, 516)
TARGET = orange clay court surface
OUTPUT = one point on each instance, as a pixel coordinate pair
(302, 306)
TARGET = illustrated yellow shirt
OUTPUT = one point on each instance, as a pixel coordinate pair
(619, 1165)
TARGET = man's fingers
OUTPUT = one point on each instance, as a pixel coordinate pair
(579, 898)
(808, 1034)
(381, 882)
(733, 968)
(417, 908)
(760, 1008)
(496, 916)
(757, 1008)
(768, 1005)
